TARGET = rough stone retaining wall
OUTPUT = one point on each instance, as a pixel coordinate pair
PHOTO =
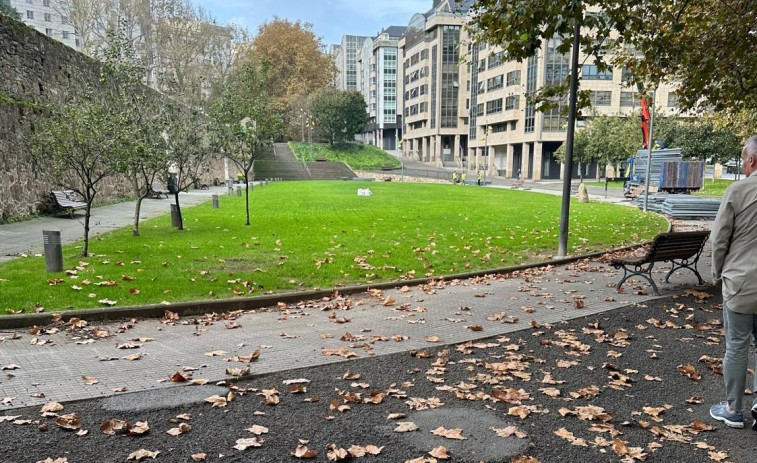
(37, 69)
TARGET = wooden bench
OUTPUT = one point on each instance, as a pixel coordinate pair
(682, 249)
(68, 201)
(156, 190)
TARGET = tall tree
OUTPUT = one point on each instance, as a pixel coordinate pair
(338, 115)
(192, 52)
(145, 111)
(245, 124)
(188, 150)
(183, 51)
(83, 142)
(704, 45)
(298, 66)
(702, 140)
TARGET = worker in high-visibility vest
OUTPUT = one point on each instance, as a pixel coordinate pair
(462, 178)
(454, 177)
(478, 178)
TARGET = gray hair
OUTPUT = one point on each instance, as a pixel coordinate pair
(750, 146)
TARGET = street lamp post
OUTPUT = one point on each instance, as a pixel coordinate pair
(486, 152)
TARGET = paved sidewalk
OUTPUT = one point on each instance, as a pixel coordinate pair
(52, 366)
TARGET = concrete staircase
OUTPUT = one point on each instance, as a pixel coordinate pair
(284, 165)
(282, 152)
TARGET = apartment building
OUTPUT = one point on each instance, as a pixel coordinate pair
(434, 85)
(346, 57)
(508, 137)
(377, 81)
(49, 17)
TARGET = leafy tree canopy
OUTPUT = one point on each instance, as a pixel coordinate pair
(339, 115)
(298, 66)
(703, 45)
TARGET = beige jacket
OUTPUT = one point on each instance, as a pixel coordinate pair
(734, 246)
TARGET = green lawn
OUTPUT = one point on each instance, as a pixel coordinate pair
(714, 188)
(355, 155)
(307, 235)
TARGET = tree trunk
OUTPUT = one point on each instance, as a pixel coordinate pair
(137, 208)
(247, 195)
(87, 215)
(138, 194)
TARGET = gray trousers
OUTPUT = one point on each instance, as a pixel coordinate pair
(740, 329)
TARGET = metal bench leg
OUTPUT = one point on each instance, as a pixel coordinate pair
(641, 272)
(684, 264)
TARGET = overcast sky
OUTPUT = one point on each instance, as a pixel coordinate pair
(330, 18)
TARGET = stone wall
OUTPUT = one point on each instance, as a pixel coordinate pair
(35, 69)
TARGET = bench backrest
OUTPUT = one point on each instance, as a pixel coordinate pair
(67, 198)
(677, 245)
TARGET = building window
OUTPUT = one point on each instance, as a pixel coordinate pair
(480, 109)
(512, 102)
(450, 76)
(628, 99)
(45, 2)
(482, 65)
(494, 106)
(48, 32)
(65, 35)
(30, 2)
(626, 76)
(672, 100)
(590, 72)
(553, 121)
(48, 17)
(495, 60)
(494, 83)
(556, 67)
(530, 116)
(601, 98)
(513, 78)
(29, 14)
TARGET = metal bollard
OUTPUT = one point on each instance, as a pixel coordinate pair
(175, 219)
(53, 251)
(215, 201)
(230, 186)
(239, 190)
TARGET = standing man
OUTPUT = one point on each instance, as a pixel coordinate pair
(462, 178)
(478, 178)
(454, 176)
(734, 261)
